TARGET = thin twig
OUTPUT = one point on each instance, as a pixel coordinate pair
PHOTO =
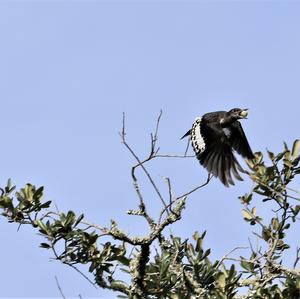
(70, 265)
(142, 206)
(154, 138)
(82, 274)
(140, 163)
(209, 177)
(182, 196)
(170, 156)
(293, 190)
(187, 147)
(154, 156)
(229, 253)
(259, 182)
(103, 230)
(170, 194)
(59, 288)
(169, 189)
(297, 257)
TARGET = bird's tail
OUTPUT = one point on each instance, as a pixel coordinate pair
(188, 133)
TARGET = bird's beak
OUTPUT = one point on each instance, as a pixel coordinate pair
(244, 113)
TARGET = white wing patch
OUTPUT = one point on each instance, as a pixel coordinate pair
(227, 132)
(196, 137)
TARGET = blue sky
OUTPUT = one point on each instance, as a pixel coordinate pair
(68, 69)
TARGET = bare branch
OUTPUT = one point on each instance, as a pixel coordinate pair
(169, 206)
(187, 147)
(57, 257)
(297, 257)
(154, 138)
(82, 274)
(259, 182)
(209, 177)
(142, 207)
(138, 270)
(156, 230)
(140, 163)
(59, 288)
(226, 256)
(170, 191)
(173, 156)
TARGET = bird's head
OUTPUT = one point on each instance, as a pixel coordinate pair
(237, 113)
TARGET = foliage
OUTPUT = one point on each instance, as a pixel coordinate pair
(161, 266)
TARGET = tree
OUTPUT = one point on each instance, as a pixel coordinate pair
(177, 268)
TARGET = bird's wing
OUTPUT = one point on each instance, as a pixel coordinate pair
(217, 156)
(239, 141)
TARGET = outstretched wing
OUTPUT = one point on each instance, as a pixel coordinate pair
(213, 150)
(218, 157)
(239, 141)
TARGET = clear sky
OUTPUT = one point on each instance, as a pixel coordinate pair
(68, 69)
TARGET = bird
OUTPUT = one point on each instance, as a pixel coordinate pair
(215, 137)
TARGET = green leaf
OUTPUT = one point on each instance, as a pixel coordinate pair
(119, 284)
(43, 227)
(266, 234)
(246, 199)
(79, 219)
(28, 192)
(6, 202)
(275, 223)
(247, 265)
(279, 156)
(221, 280)
(298, 283)
(247, 215)
(45, 245)
(196, 236)
(38, 193)
(296, 148)
(271, 155)
(258, 157)
(206, 254)
(45, 205)
(296, 210)
(164, 268)
(9, 187)
(70, 219)
(199, 240)
(123, 260)
(231, 272)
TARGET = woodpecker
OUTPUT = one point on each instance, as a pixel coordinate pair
(214, 137)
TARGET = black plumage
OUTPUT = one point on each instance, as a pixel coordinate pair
(214, 137)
